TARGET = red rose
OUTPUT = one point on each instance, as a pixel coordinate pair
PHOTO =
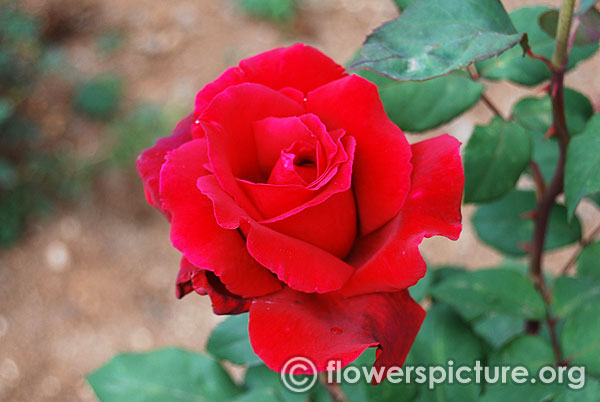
(293, 196)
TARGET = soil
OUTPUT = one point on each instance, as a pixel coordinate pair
(98, 277)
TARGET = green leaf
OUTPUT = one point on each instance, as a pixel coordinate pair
(262, 378)
(588, 31)
(7, 109)
(582, 169)
(402, 4)
(173, 375)
(230, 341)
(99, 97)
(384, 392)
(501, 291)
(588, 262)
(585, 5)
(435, 102)
(580, 337)
(435, 37)
(589, 392)
(532, 352)
(422, 288)
(524, 70)
(502, 224)
(276, 10)
(445, 336)
(497, 329)
(570, 293)
(535, 114)
(494, 158)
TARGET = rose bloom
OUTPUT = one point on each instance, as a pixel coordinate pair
(293, 196)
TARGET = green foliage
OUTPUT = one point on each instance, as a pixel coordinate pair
(445, 336)
(435, 102)
(504, 224)
(588, 31)
(582, 170)
(569, 294)
(164, 375)
(524, 70)
(501, 291)
(588, 264)
(384, 392)
(99, 97)
(435, 37)
(138, 130)
(580, 337)
(275, 10)
(497, 329)
(494, 159)
(402, 4)
(229, 341)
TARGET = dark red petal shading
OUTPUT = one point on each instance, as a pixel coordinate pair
(228, 124)
(196, 234)
(151, 160)
(327, 327)
(389, 259)
(381, 175)
(302, 266)
(298, 66)
(207, 283)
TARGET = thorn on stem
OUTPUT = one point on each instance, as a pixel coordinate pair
(529, 214)
(551, 131)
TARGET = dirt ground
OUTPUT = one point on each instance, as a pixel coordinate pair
(98, 278)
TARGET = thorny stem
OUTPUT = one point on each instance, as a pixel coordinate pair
(557, 73)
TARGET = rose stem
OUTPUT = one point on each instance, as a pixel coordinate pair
(557, 74)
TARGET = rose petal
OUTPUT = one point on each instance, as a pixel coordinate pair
(207, 283)
(298, 66)
(328, 327)
(196, 234)
(232, 76)
(231, 144)
(302, 266)
(382, 166)
(151, 160)
(389, 259)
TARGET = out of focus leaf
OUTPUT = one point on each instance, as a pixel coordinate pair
(503, 224)
(445, 336)
(588, 263)
(402, 4)
(99, 97)
(570, 293)
(164, 375)
(230, 341)
(582, 169)
(435, 37)
(501, 291)
(589, 392)
(494, 158)
(6, 109)
(524, 70)
(580, 337)
(497, 329)
(420, 106)
(262, 378)
(588, 31)
(277, 10)
(384, 392)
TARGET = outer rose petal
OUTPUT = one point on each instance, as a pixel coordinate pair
(231, 76)
(327, 327)
(196, 234)
(298, 66)
(389, 259)
(207, 283)
(382, 166)
(151, 160)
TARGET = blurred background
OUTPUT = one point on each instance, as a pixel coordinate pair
(86, 266)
